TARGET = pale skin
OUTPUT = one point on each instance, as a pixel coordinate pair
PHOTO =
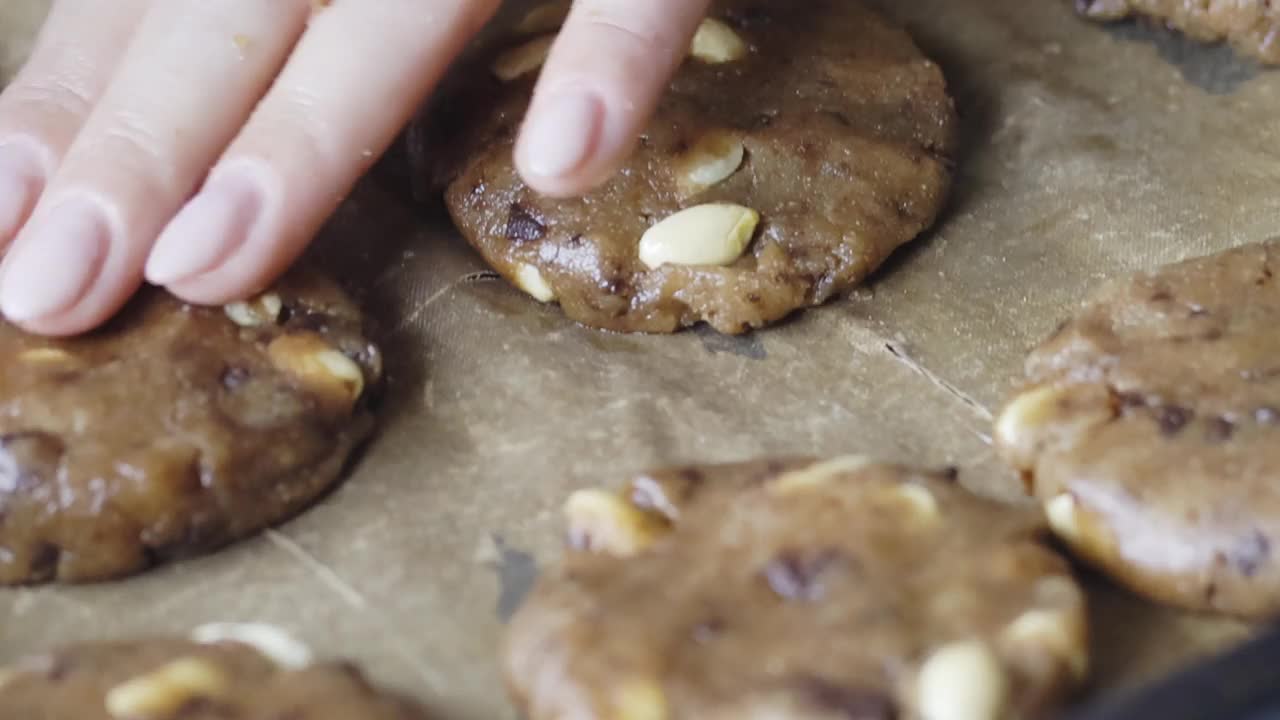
(200, 144)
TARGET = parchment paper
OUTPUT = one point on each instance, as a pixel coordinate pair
(1089, 152)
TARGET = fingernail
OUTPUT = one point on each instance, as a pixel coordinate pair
(562, 133)
(20, 183)
(55, 262)
(208, 230)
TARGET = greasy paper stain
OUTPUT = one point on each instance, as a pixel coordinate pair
(1213, 68)
(748, 346)
(516, 571)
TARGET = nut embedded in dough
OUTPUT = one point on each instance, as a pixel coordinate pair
(44, 356)
(318, 367)
(715, 157)
(523, 59)
(1063, 518)
(1060, 632)
(715, 42)
(962, 681)
(710, 234)
(544, 18)
(161, 693)
(530, 280)
(819, 473)
(272, 642)
(601, 521)
(921, 503)
(640, 700)
(262, 310)
(1017, 426)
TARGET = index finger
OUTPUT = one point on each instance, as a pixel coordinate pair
(600, 84)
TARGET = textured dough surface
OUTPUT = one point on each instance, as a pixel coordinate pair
(1151, 429)
(796, 589)
(75, 683)
(848, 134)
(168, 433)
(1252, 26)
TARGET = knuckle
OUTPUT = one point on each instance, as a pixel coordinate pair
(130, 139)
(291, 132)
(47, 99)
(615, 31)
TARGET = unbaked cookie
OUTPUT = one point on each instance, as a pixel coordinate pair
(796, 148)
(799, 589)
(175, 429)
(1252, 26)
(241, 671)
(1150, 430)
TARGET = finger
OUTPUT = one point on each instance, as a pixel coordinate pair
(43, 108)
(188, 81)
(354, 80)
(604, 76)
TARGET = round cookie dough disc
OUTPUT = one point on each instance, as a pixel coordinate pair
(175, 429)
(832, 126)
(1150, 430)
(169, 679)
(1252, 26)
(799, 589)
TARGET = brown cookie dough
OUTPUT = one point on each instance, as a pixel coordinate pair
(799, 589)
(1252, 26)
(175, 429)
(171, 679)
(796, 148)
(1150, 429)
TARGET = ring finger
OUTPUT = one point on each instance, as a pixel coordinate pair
(44, 107)
(144, 148)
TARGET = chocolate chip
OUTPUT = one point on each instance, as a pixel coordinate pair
(1251, 554)
(1172, 419)
(708, 630)
(1131, 399)
(233, 377)
(1219, 429)
(851, 703)
(1267, 416)
(44, 561)
(951, 474)
(1161, 296)
(522, 227)
(27, 458)
(797, 574)
(839, 117)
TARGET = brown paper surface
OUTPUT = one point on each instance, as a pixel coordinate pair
(1088, 152)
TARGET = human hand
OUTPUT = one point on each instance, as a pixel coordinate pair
(125, 105)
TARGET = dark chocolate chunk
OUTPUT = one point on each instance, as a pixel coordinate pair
(1172, 419)
(1251, 554)
(522, 227)
(1219, 429)
(797, 574)
(851, 703)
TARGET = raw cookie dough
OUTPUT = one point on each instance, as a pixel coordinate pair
(805, 141)
(175, 429)
(1150, 430)
(171, 679)
(798, 589)
(1252, 26)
